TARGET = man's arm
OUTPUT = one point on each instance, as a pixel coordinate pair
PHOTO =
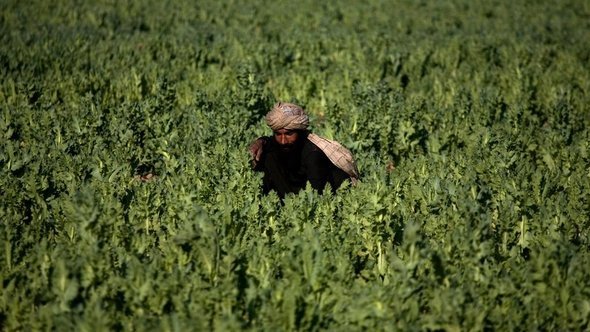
(256, 148)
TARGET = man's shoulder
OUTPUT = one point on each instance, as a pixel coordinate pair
(310, 151)
(309, 147)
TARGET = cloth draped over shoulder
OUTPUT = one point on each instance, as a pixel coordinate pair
(293, 117)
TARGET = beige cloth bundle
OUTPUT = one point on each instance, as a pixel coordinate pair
(293, 117)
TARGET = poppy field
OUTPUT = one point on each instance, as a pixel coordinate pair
(127, 201)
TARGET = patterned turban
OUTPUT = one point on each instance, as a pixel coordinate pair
(287, 116)
(293, 117)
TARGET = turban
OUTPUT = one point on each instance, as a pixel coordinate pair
(287, 116)
(293, 117)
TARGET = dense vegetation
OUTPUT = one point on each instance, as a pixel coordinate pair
(127, 202)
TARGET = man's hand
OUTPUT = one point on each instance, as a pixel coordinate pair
(255, 150)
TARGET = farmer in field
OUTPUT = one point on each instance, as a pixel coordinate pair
(294, 156)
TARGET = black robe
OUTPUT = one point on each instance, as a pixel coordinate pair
(289, 171)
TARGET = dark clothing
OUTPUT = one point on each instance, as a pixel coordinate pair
(288, 171)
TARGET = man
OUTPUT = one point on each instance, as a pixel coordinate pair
(294, 156)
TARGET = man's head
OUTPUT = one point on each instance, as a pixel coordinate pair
(287, 116)
(286, 138)
(288, 122)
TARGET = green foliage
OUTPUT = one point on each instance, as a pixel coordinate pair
(127, 202)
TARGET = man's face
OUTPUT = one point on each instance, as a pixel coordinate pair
(286, 138)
